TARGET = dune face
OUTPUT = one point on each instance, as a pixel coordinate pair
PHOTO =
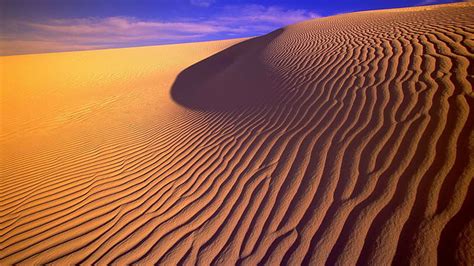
(234, 78)
(342, 140)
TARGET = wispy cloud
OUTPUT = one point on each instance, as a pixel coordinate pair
(93, 33)
(202, 3)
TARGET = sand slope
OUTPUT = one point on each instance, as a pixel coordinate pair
(340, 140)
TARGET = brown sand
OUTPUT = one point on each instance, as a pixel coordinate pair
(340, 140)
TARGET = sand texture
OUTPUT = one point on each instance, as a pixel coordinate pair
(341, 140)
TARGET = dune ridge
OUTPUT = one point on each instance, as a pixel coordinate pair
(340, 140)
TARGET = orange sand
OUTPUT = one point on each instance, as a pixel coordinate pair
(341, 140)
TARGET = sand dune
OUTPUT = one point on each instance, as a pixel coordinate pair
(340, 140)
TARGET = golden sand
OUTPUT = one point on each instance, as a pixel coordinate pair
(340, 140)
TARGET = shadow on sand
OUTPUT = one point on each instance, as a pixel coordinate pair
(235, 77)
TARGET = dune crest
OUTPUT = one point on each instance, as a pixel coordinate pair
(341, 140)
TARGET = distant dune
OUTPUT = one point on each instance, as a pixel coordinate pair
(341, 140)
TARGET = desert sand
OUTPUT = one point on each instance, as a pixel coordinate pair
(340, 140)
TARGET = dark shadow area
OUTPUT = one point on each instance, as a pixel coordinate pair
(235, 77)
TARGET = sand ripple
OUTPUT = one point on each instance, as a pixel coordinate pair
(341, 140)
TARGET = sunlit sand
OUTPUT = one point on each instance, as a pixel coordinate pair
(341, 140)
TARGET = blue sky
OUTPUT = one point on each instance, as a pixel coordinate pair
(35, 26)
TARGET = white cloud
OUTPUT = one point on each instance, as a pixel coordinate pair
(202, 3)
(93, 33)
(269, 15)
